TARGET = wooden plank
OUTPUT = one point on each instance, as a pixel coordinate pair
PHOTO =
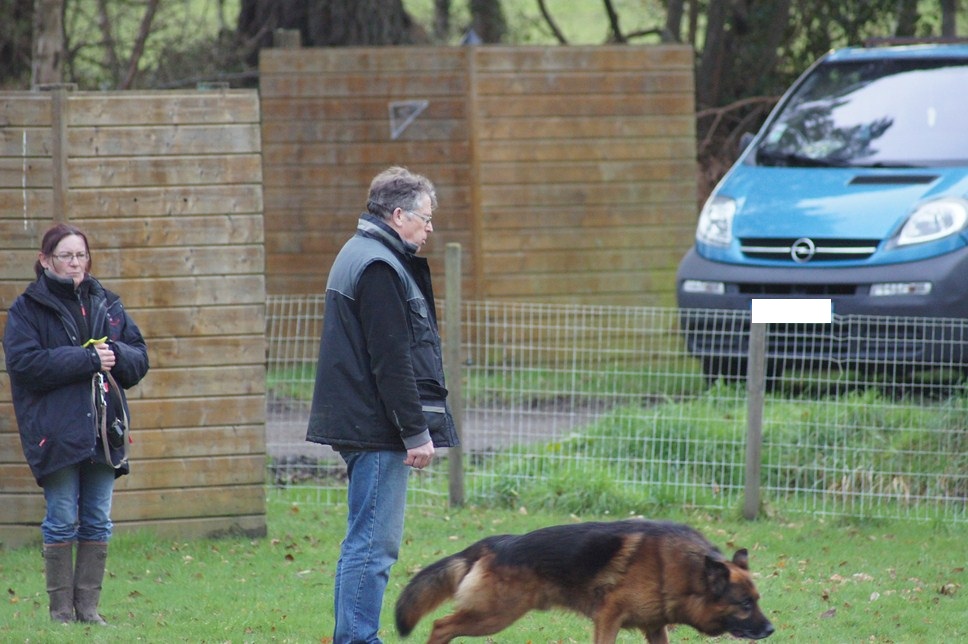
(31, 207)
(188, 503)
(424, 128)
(172, 442)
(600, 173)
(252, 526)
(230, 350)
(673, 215)
(584, 150)
(219, 381)
(584, 82)
(35, 205)
(589, 106)
(164, 140)
(194, 260)
(570, 128)
(25, 109)
(326, 111)
(16, 477)
(22, 508)
(563, 261)
(590, 194)
(215, 290)
(20, 141)
(195, 414)
(604, 58)
(416, 153)
(166, 442)
(126, 172)
(201, 472)
(374, 60)
(578, 239)
(26, 173)
(174, 107)
(351, 83)
(166, 200)
(195, 320)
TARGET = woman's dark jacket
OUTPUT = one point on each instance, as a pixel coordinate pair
(51, 371)
(380, 375)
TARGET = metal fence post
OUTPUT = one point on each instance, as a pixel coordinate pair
(755, 394)
(452, 366)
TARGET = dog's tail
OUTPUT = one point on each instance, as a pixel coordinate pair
(430, 588)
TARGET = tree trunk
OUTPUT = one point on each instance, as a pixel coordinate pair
(487, 19)
(907, 18)
(710, 71)
(949, 15)
(673, 23)
(328, 23)
(441, 20)
(48, 43)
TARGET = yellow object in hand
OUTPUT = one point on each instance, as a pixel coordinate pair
(93, 341)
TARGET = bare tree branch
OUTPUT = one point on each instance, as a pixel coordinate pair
(139, 45)
(616, 31)
(111, 61)
(560, 37)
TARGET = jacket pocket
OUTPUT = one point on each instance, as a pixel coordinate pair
(433, 400)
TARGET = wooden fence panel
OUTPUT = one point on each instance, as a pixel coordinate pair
(327, 130)
(169, 187)
(566, 173)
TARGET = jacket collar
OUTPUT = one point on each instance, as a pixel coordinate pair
(372, 226)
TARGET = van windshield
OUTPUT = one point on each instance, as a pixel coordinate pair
(883, 113)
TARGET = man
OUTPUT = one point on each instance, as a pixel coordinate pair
(379, 397)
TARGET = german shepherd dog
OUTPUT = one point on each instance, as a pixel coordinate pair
(635, 574)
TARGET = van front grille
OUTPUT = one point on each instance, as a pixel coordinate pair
(803, 250)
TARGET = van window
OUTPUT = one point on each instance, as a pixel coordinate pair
(873, 113)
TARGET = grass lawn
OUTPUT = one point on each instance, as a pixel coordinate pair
(821, 580)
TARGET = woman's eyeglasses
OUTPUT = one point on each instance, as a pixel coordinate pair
(67, 257)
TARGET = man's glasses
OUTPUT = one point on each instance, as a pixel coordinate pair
(67, 257)
(426, 218)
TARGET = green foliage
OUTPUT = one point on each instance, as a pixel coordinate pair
(618, 463)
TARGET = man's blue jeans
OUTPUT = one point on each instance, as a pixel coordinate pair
(78, 503)
(377, 498)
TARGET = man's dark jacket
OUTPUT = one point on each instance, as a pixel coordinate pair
(51, 371)
(380, 375)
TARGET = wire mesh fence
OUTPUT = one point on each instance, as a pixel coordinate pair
(611, 409)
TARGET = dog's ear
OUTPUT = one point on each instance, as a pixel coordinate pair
(717, 576)
(742, 559)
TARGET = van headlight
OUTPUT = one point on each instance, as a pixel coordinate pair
(934, 220)
(716, 221)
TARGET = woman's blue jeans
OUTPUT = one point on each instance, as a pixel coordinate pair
(377, 498)
(78, 503)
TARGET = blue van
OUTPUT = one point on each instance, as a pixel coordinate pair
(856, 190)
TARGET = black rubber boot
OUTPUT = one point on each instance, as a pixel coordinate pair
(88, 575)
(59, 569)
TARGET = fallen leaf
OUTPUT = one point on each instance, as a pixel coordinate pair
(949, 589)
(827, 614)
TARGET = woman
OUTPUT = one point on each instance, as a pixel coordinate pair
(71, 349)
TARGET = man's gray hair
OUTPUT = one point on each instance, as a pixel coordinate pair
(397, 187)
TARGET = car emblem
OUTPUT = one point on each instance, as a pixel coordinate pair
(803, 250)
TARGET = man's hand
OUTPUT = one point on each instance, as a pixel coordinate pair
(420, 457)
